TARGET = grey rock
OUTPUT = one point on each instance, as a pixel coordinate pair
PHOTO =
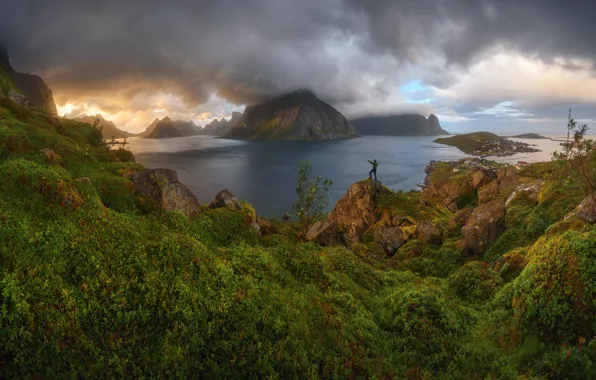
(163, 187)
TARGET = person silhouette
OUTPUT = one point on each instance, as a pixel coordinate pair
(375, 164)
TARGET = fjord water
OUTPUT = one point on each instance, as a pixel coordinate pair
(264, 173)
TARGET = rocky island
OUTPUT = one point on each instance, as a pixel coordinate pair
(299, 115)
(486, 144)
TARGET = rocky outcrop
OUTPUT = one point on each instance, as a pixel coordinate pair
(108, 129)
(399, 125)
(451, 193)
(225, 199)
(356, 211)
(35, 90)
(428, 233)
(482, 177)
(50, 155)
(528, 192)
(323, 232)
(162, 187)
(488, 192)
(586, 210)
(299, 115)
(484, 227)
(19, 98)
(390, 238)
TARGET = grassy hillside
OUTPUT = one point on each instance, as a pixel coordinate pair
(94, 283)
(468, 142)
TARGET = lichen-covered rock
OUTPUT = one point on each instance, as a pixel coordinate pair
(484, 227)
(18, 98)
(428, 233)
(225, 198)
(481, 177)
(453, 193)
(50, 155)
(489, 192)
(586, 210)
(162, 187)
(529, 193)
(323, 233)
(356, 211)
(390, 238)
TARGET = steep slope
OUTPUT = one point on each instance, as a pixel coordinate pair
(109, 129)
(299, 115)
(32, 86)
(166, 128)
(221, 127)
(399, 125)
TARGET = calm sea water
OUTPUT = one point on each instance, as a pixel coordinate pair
(264, 173)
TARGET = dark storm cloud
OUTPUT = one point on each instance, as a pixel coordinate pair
(251, 49)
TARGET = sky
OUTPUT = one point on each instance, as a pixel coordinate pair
(498, 65)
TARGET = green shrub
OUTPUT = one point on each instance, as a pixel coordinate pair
(475, 281)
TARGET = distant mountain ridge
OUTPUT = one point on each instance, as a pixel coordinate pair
(399, 125)
(299, 115)
(221, 127)
(167, 128)
(32, 86)
(109, 129)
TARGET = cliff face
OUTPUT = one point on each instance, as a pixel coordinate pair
(109, 129)
(32, 86)
(299, 115)
(166, 128)
(399, 125)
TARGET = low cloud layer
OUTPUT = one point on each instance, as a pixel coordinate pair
(138, 59)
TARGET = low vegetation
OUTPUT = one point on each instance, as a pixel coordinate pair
(93, 283)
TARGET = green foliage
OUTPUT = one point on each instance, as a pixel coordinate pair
(313, 197)
(475, 281)
(554, 295)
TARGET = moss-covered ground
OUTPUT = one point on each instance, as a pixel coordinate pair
(95, 284)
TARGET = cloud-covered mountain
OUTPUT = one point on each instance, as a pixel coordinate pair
(299, 115)
(399, 125)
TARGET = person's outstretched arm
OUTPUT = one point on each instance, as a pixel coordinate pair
(370, 162)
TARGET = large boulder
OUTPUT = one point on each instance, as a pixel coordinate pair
(484, 227)
(356, 211)
(586, 210)
(390, 238)
(428, 233)
(323, 233)
(225, 199)
(528, 192)
(482, 177)
(162, 187)
(488, 192)
(453, 193)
